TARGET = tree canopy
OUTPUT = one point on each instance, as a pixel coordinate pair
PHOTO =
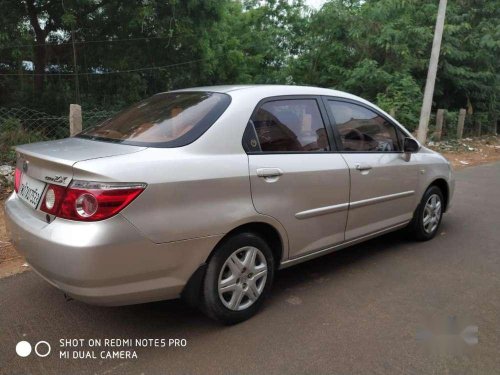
(109, 53)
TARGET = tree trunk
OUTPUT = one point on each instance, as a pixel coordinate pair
(40, 53)
(39, 62)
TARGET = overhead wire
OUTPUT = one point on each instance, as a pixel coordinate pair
(101, 73)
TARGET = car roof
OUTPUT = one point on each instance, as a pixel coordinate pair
(273, 90)
(258, 92)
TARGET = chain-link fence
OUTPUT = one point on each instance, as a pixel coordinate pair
(25, 125)
(19, 125)
(94, 117)
(38, 124)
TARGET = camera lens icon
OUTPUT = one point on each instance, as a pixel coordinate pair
(42, 349)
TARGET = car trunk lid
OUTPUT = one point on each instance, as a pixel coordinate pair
(52, 162)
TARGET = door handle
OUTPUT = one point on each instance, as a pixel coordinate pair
(363, 167)
(269, 172)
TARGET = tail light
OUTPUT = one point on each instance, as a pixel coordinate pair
(53, 198)
(89, 201)
(17, 179)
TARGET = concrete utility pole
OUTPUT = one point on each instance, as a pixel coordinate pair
(425, 113)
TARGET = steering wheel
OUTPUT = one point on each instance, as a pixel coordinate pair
(356, 135)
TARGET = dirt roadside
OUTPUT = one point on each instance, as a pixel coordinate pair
(462, 154)
(469, 152)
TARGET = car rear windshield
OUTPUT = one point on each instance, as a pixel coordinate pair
(170, 119)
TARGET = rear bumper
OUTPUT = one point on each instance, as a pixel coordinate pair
(107, 262)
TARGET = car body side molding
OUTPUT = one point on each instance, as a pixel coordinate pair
(321, 211)
(344, 206)
(382, 198)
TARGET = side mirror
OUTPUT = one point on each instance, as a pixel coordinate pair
(410, 145)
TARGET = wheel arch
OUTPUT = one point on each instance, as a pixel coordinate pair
(277, 241)
(268, 232)
(442, 184)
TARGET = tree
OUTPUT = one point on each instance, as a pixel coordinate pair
(127, 50)
(254, 41)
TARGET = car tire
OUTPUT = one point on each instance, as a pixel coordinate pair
(427, 217)
(235, 286)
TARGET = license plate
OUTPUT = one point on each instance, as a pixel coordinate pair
(30, 190)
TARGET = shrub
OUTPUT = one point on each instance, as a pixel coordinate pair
(404, 96)
(12, 134)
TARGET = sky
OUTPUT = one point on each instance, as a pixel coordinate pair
(315, 4)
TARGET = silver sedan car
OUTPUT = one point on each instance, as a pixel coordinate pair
(204, 193)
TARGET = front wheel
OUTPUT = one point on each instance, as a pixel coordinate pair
(428, 215)
(238, 279)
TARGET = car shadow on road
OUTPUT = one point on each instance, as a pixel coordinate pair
(176, 319)
(176, 316)
(330, 264)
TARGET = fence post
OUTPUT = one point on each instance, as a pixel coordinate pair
(461, 122)
(75, 119)
(439, 124)
(495, 124)
(478, 126)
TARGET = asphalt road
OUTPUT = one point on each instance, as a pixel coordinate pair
(386, 306)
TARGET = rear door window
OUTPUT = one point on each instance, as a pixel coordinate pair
(164, 120)
(291, 125)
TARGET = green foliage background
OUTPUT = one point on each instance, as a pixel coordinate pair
(378, 49)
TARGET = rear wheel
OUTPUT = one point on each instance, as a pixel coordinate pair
(428, 215)
(238, 278)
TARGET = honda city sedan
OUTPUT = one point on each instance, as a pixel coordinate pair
(204, 193)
